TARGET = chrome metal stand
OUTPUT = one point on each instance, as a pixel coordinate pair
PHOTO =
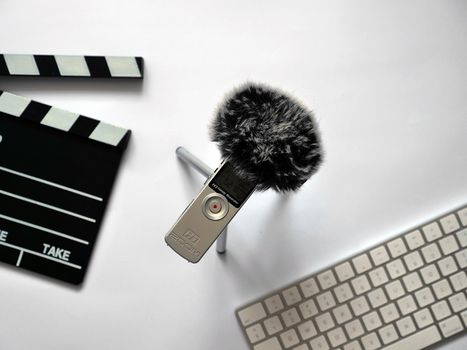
(201, 167)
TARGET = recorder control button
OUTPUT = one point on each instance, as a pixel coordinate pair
(215, 206)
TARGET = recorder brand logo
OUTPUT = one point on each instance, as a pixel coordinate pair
(185, 245)
(191, 236)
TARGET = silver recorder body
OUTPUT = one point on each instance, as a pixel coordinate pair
(221, 197)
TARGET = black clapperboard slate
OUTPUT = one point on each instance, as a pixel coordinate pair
(56, 173)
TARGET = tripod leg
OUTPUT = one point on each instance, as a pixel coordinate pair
(193, 161)
(221, 242)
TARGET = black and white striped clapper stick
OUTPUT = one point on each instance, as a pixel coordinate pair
(71, 66)
(56, 174)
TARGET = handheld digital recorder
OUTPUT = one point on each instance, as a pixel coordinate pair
(221, 197)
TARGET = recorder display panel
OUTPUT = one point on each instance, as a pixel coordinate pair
(232, 186)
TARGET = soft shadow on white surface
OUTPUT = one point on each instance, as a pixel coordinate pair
(387, 81)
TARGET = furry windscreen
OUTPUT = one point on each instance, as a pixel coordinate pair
(269, 137)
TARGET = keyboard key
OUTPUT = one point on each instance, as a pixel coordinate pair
(462, 237)
(324, 322)
(447, 265)
(361, 284)
(355, 345)
(302, 347)
(414, 239)
(407, 305)
(432, 231)
(463, 216)
(389, 313)
(354, 329)
(290, 317)
(441, 310)
(319, 343)
(459, 281)
(413, 260)
(442, 289)
(274, 304)
(461, 258)
(458, 302)
(361, 263)
(464, 317)
(388, 334)
(371, 342)
(449, 223)
(290, 338)
(377, 298)
(431, 253)
(344, 272)
(308, 308)
(394, 290)
(343, 293)
(405, 326)
(424, 297)
(325, 301)
(270, 344)
(252, 314)
(342, 314)
(327, 279)
(448, 245)
(291, 296)
(371, 321)
(451, 326)
(423, 318)
(419, 340)
(396, 268)
(429, 274)
(255, 333)
(379, 255)
(378, 276)
(336, 337)
(307, 330)
(359, 306)
(397, 247)
(273, 325)
(412, 281)
(309, 287)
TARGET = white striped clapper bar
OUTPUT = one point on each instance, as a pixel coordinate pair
(60, 119)
(57, 169)
(71, 66)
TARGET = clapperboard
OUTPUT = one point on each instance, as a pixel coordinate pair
(57, 169)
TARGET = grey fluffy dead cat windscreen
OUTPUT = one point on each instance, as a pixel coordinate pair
(268, 136)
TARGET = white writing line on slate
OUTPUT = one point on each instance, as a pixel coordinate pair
(41, 228)
(48, 206)
(38, 254)
(50, 183)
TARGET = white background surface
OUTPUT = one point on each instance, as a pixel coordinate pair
(386, 79)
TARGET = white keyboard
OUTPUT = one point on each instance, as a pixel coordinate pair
(406, 293)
